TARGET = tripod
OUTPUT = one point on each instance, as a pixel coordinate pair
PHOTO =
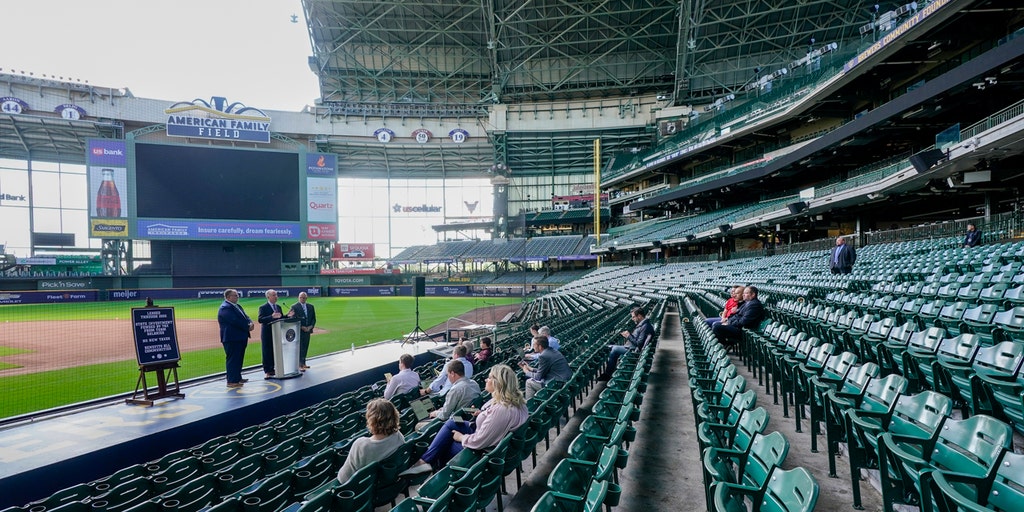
(417, 333)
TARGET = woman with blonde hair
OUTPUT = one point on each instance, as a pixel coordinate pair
(503, 413)
(382, 422)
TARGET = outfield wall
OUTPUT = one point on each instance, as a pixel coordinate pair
(157, 294)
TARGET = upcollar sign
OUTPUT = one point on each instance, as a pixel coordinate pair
(217, 120)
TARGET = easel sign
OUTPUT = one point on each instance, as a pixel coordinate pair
(156, 350)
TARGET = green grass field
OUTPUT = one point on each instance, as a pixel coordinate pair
(350, 321)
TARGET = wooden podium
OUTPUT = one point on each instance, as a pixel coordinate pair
(156, 350)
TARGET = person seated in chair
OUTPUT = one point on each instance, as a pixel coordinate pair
(486, 348)
(636, 340)
(749, 315)
(385, 438)
(442, 384)
(503, 413)
(551, 366)
(731, 305)
(462, 393)
(406, 380)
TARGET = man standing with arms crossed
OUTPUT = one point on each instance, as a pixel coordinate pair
(269, 313)
(307, 313)
(235, 327)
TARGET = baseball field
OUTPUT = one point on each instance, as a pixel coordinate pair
(52, 355)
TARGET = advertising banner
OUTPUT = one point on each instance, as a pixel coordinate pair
(205, 293)
(368, 291)
(180, 229)
(353, 252)
(48, 297)
(107, 174)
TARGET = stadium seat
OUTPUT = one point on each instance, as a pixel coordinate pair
(953, 371)
(389, 484)
(877, 399)
(998, 384)
(850, 384)
(552, 501)
(749, 469)
(315, 470)
(192, 496)
(971, 447)
(411, 504)
(791, 490)
(124, 495)
(915, 416)
(920, 356)
(954, 492)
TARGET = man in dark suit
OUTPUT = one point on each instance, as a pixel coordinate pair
(749, 316)
(973, 237)
(268, 314)
(235, 327)
(842, 257)
(307, 313)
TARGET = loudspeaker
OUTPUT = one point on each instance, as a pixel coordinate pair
(797, 207)
(419, 286)
(926, 159)
(724, 227)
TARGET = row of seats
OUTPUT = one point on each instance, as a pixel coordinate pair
(976, 362)
(912, 439)
(587, 478)
(742, 466)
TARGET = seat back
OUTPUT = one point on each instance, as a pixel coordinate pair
(766, 452)
(881, 395)
(1007, 491)
(839, 365)
(971, 446)
(820, 355)
(793, 490)
(1004, 492)
(1003, 359)
(919, 416)
(1011, 322)
(858, 377)
(959, 350)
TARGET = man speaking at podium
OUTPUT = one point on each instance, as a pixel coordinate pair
(307, 313)
(269, 313)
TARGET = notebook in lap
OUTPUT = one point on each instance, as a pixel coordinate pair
(422, 408)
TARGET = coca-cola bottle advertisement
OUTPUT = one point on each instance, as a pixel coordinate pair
(107, 186)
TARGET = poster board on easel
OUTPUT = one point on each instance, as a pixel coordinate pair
(156, 350)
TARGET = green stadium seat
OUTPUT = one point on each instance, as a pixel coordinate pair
(269, 494)
(552, 501)
(954, 492)
(998, 384)
(192, 496)
(954, 369)
(124, 495)
(876, 399)
(785, 491)
(971, 447)
(389, 484)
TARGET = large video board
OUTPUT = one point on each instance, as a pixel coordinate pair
(146, 191)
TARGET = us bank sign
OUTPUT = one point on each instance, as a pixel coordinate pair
(217, 119)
